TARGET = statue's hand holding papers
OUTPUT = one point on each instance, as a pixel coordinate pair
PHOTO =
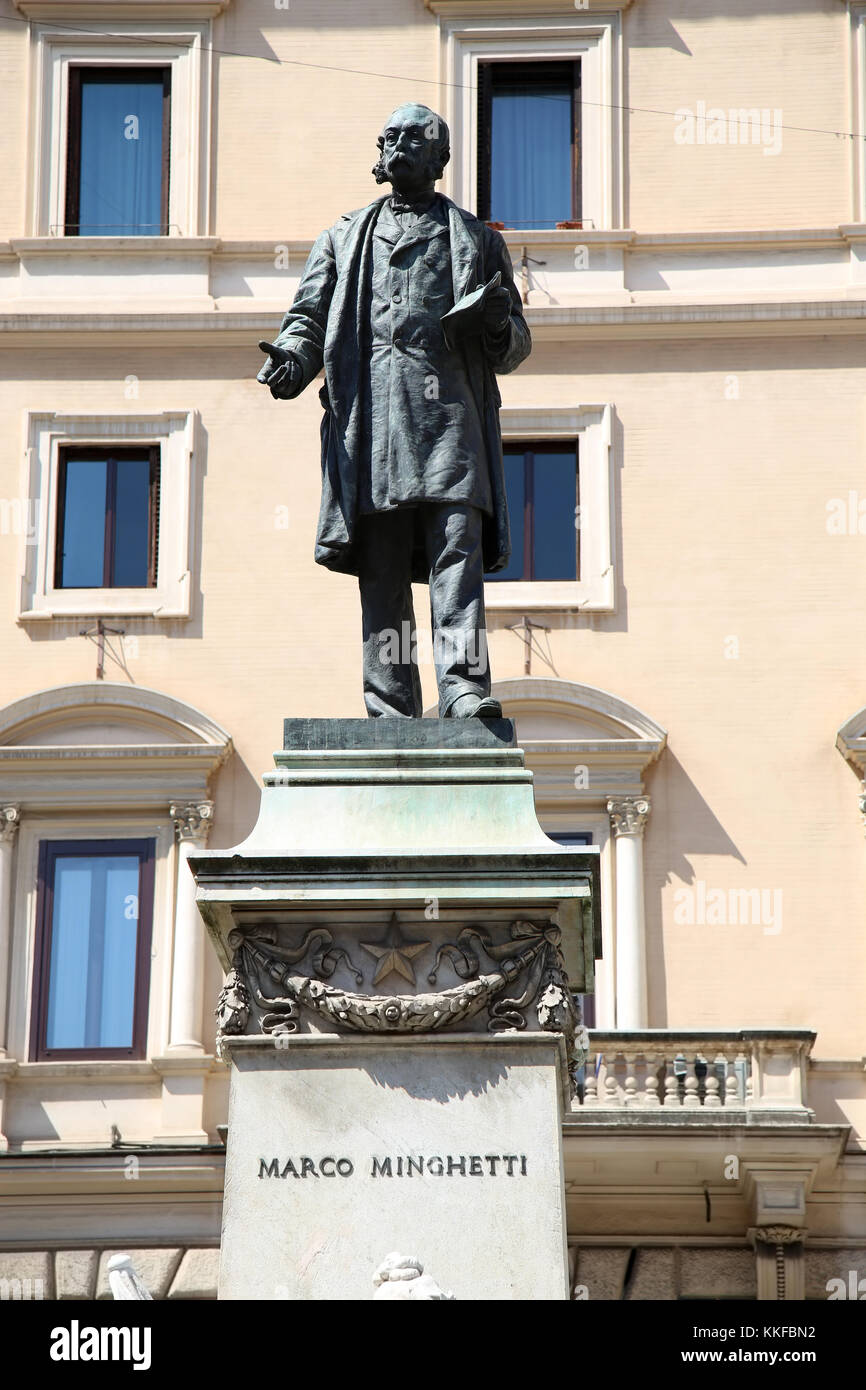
(486, 309)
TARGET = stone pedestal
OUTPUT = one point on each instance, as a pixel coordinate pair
(446, 1147)
(402, 944)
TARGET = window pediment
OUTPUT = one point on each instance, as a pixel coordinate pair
(563, 710)
(104, 743)
(583, 745)
(121, 9)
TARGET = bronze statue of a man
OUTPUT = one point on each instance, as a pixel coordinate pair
(410, 306)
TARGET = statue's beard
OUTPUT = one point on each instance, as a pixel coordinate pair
(383, 171)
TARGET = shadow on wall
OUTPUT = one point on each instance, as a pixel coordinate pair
(421, 1084)
(237, 794)
(682, 824)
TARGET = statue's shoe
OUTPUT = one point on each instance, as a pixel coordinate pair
(474, 707)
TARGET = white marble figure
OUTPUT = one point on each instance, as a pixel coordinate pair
(123, 1280)
(402, 1276)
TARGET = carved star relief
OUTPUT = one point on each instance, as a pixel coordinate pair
(394, 954)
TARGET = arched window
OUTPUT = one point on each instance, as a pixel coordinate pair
(104, 791)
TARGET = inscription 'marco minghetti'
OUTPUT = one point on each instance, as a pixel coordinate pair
(403, 1166)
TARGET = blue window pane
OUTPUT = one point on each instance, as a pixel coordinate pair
(555, 516)
(514, 488)
(83, 540)
(132, 524)
(121, 154)
(531, 159)
(94, 938)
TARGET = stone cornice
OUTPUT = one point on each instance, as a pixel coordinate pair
(181, 288)
(145, 777)
(63, 1170)
(838, 1065)
(62, 755)
(737, 239)
(802, 317)
(696, 319)
(851, 741)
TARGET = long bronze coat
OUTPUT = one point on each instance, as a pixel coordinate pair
(329, 325)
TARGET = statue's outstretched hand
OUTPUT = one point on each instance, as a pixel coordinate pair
(281, 373)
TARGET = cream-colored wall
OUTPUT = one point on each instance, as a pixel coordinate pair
(292, 132)
(791, 55)
(721, 509)
(14, 91)
(301, 92)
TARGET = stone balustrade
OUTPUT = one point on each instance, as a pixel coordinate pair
(662, 1073)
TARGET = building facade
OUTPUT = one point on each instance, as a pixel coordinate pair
(687, 221)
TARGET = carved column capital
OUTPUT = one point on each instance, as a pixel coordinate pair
(777, 1235)
(10, 819)
(780, 1267)
(628, 814)
(192, 820)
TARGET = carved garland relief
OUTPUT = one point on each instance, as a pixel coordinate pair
(509, 977)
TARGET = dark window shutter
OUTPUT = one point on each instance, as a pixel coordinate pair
(153, 547)
(484, 137)
(73, 152)
(166, 145)
(576, 165)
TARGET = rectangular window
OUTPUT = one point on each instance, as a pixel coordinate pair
(107, 518)
(92, 973)
(529, 143)
(117, 151)
(542, 486)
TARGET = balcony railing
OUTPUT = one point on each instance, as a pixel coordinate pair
(671, 1074)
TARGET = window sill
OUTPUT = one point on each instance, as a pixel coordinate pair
(117, 1069)
(108, 603)
(476, 9)
(135, 245)
(572, 236)
(544, 596)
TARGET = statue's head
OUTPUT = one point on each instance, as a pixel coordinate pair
(415, 146)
